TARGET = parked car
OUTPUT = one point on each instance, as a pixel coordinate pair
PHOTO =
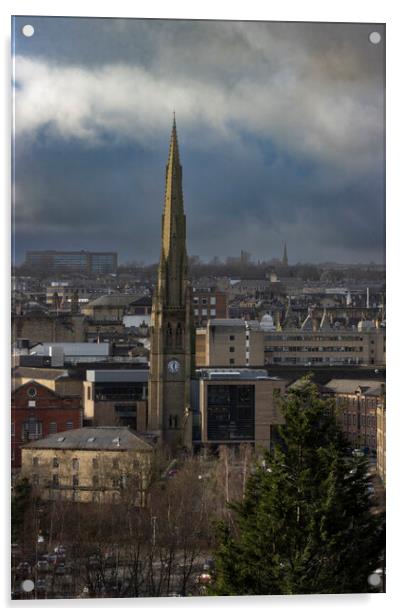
(61, 569)
(42, 565)
(61, 550)
(41, 585)
(24, 569)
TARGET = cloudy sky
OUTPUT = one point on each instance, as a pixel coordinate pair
(281, 132)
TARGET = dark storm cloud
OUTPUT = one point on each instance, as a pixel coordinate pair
(280, 126)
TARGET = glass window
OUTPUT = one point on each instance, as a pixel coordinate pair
(115, 463)
(35, 461)
(55, 463)
(95, 463)
(75, 481)
(213, 312)
(76, 464)
(55, 481)
(69, 425)
(213, 301)
(95, 481)
(52, 427)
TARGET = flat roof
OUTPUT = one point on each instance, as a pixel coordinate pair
(242, 374)
(117, 376)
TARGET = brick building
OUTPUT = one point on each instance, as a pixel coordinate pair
(36, 412)
(208, 303)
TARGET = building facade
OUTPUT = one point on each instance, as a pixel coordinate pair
(89, 465)
(230, 343)
(171, 330)
(356, 404)
(72, 261)
(116, 398)
(382, 441)
(208, 303)
(37, 412)
(238, 406)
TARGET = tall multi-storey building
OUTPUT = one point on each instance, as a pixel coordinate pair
(208, 303)
(72, 261)
(172, 338)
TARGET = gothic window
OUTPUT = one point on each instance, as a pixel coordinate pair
(179, 333)
(169, 335)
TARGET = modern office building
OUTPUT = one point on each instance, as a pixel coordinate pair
(72, 261)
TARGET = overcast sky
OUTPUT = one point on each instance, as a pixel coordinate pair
(281, 133)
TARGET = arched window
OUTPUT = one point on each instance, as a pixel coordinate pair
(179, 335)
(169, 335)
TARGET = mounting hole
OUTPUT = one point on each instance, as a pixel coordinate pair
(374, 579)
(27, 586)
(28, 30)
(374, 37)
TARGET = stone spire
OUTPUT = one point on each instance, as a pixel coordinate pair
(173, 263)
(285, 256)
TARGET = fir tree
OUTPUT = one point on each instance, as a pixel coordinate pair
(306, 524)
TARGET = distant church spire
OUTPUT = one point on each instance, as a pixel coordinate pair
(285, 256)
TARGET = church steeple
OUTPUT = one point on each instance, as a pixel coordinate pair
(285, 261)
(173, 263)
(171, 329)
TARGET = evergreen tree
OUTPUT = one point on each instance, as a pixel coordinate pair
(306, 524)
(20, 502)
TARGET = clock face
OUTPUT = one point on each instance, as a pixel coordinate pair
(173, 366)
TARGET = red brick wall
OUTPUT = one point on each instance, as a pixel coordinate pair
(49, 407)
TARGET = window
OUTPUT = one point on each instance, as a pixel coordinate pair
(213, 301)
(89, 392)
(31, 403)
(55, 463)
(69, 425)
(231, 337)
(95, 481)
(231, 361)
(115, 463)
(35, 461)
(95, 463)
(195, 300)
(204, 301)
(213, 312)
(204, 312)
(231, 349)
(35, 480)
(116, 483)
(75, 481)
(196, 312)
(76, 464)
(55, 481)
(32, 392)
(52, 427)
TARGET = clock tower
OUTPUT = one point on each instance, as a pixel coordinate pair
(172, 336)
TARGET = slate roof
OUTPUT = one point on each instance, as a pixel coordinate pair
(349, 386)
(124, 299)
(116, 438)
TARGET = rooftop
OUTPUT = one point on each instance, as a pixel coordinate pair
(117, 301)
(101, 438)
(349, 386)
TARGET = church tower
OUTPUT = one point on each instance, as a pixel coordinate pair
(172, 338)
(285, 261)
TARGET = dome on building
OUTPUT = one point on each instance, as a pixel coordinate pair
(267, 323)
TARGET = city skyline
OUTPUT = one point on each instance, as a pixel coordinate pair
(281, 134)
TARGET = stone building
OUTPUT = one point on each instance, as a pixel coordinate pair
(171, 330)
(116, 397)
(36, 412)
(382, 440)
(230, 343)
(102, 464)
(238, 406)
(357, 403)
